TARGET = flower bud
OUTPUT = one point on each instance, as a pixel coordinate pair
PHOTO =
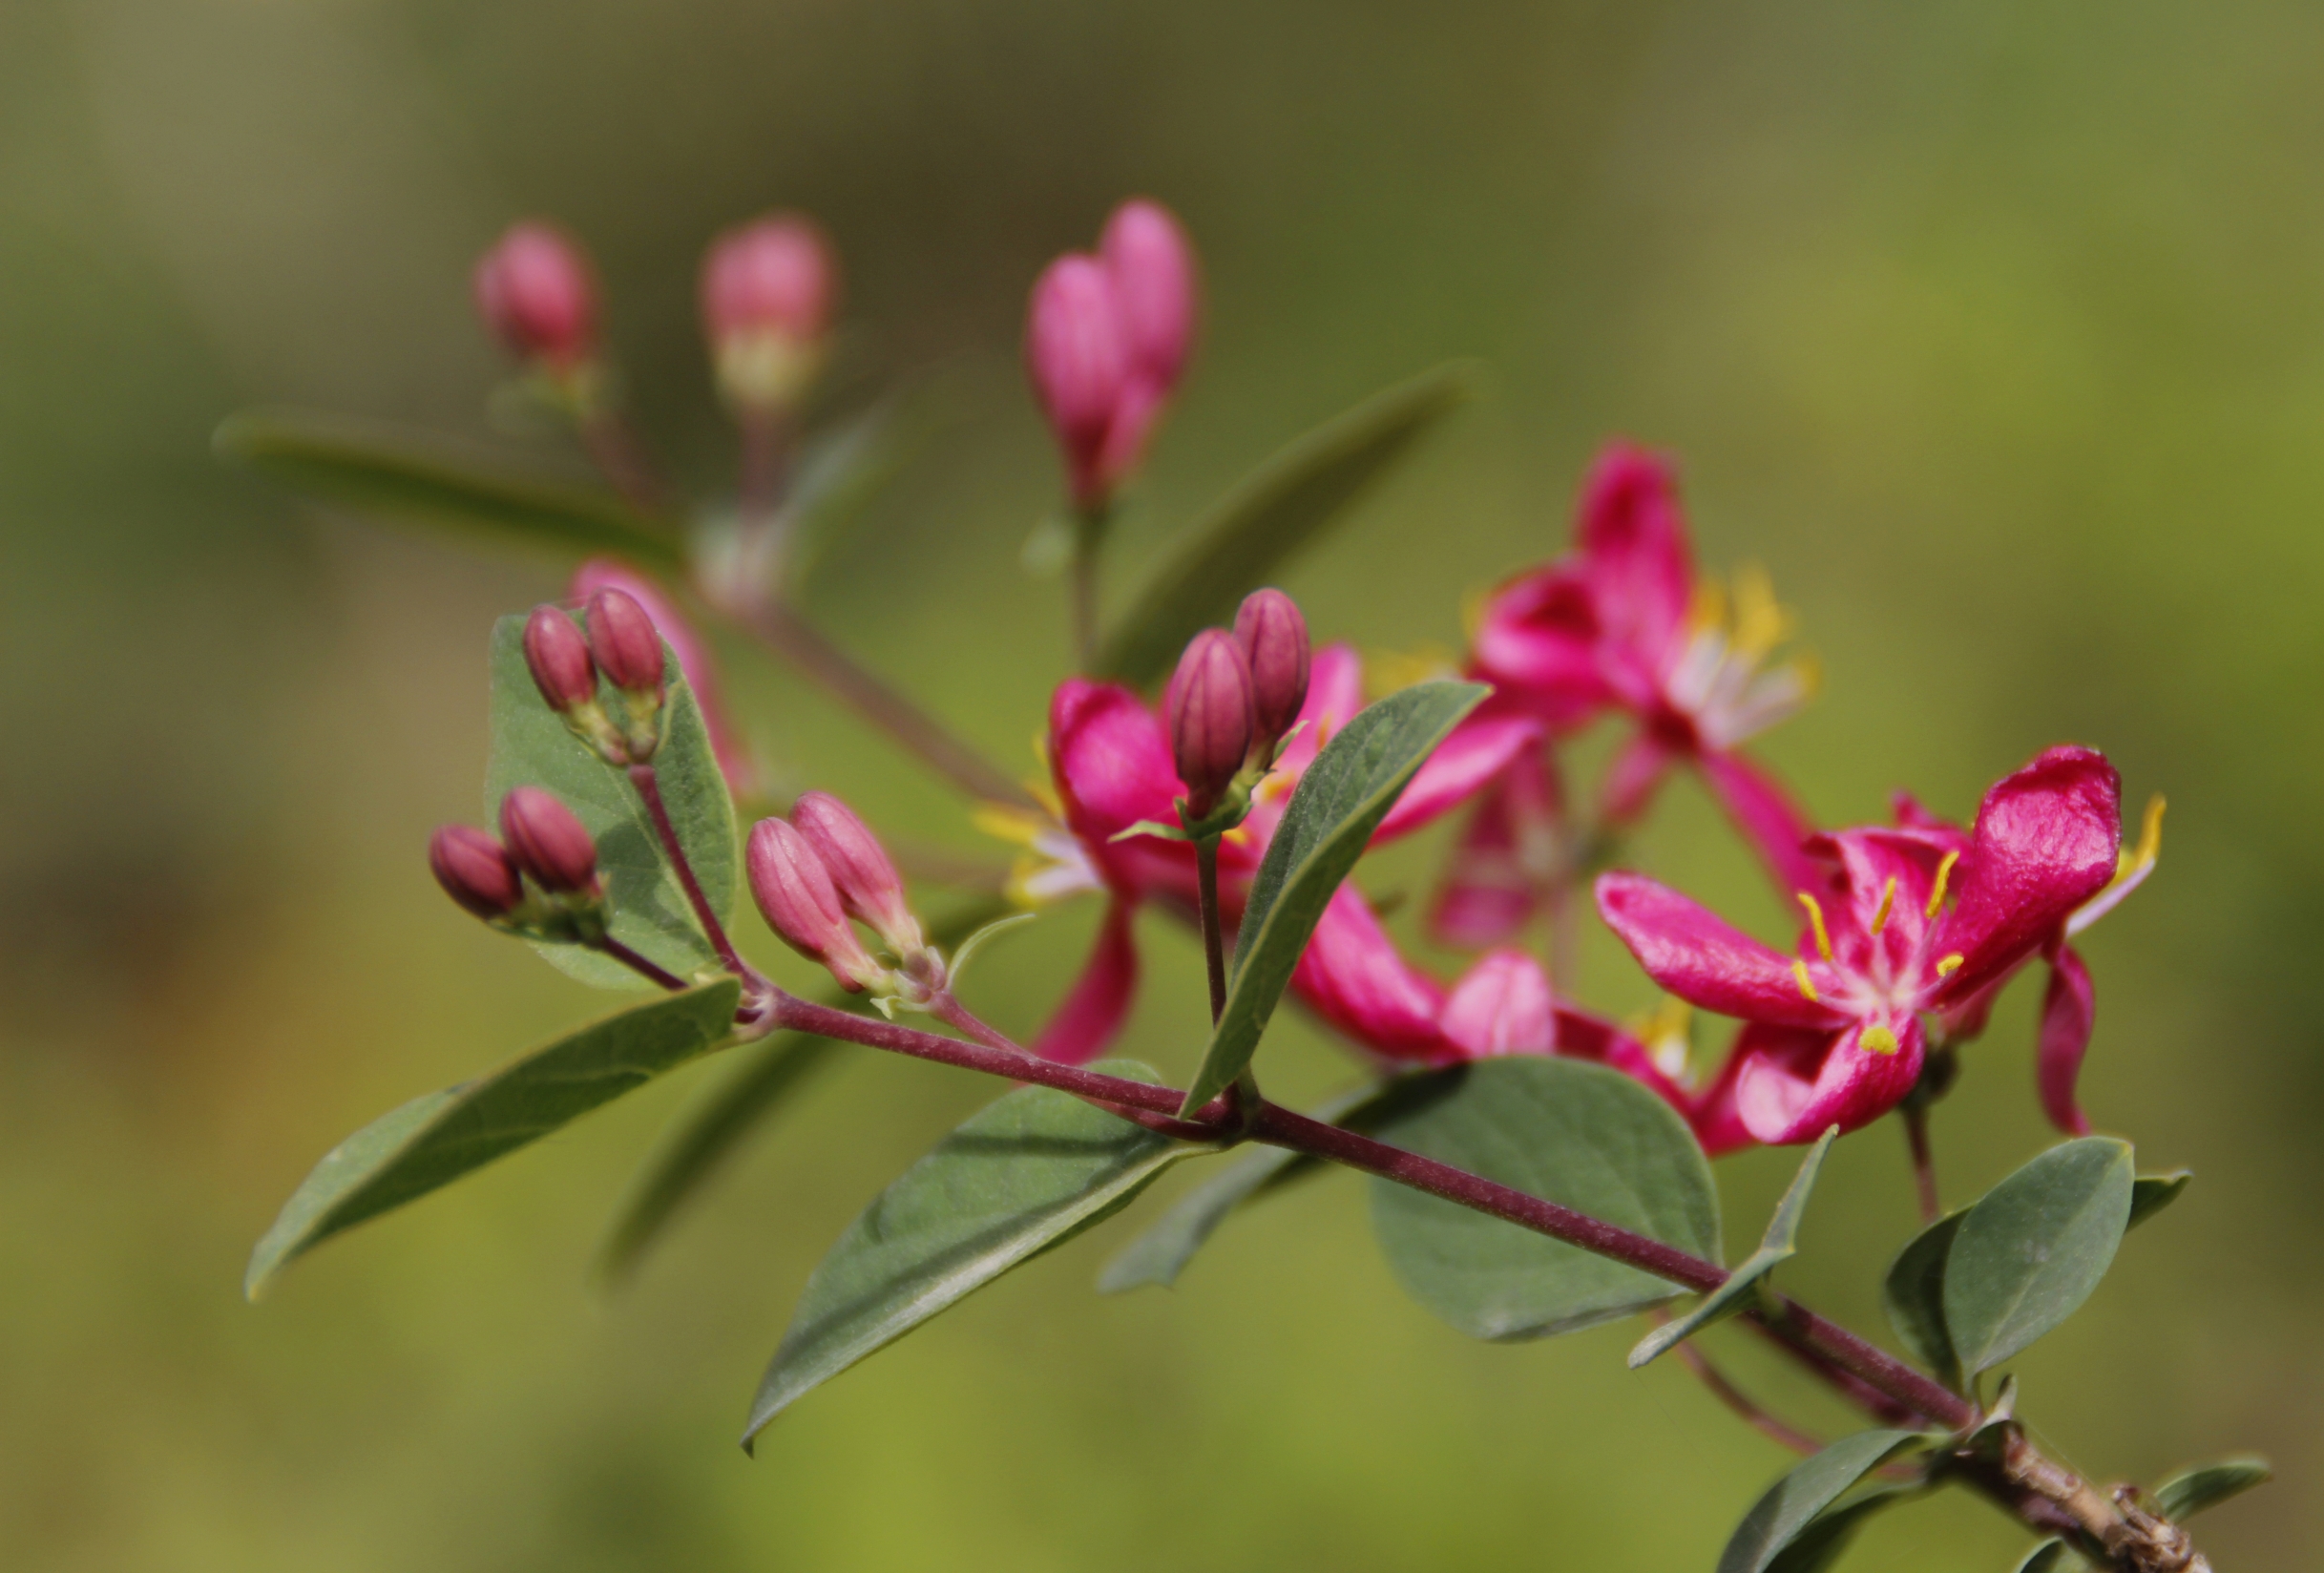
(558, 657)
(766, 294)
(627, 645)
(869, 887)
(474, 871)
(1152, 267)
(1078, 362)
(795, 894)
(534, 292)
(1210, 718)
(547, 841)
(1274, 640)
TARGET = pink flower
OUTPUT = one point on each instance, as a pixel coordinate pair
(1912, 926)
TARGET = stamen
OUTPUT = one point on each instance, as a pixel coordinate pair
(1878, 1041)
(1807, 988)
(1816, 915)
(1950, 964)
(2150, 840)
(1888, 899)
(1944, 872)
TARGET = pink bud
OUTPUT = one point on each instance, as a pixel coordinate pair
(547, 841)
(1210, 717)
(534, 292)
(1274, 640)
(623, 638)
(474, 872)
(774, 275)
(558, 657)
(868, 885)
(1078, 362)
(1501, 1005)
(1152, 265)
(795, 893)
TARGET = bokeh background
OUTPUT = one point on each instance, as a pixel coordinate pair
(1995, 331)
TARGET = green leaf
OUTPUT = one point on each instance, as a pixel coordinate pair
(1819, 1546)
(1566, 1131)
(1914, 1295)
(1027, 1174)
(1778, 1245)
(2207, 1485)
(1340, 801)
(532, 745)
(403, 477)
(1279, 509)
(2030, 1253)
(2152, 1193)
(1792, 1505)
(2049, 1557)
(435, 1139)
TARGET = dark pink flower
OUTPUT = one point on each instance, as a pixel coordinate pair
(1913, 925)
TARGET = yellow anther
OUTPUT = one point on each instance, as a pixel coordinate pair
(1878, 1041)
(1807, 988)
(1707, 608)
(1888, 899)
(1950, 964)
(2151, 841)
(1944, 871)
(1761, 624)
(1007, 822)
(1816, 915)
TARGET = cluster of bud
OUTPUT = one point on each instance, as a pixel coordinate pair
(623, 645)
(817, 874)
(1106, 340)
(539, 878)
(536, 293)
(767, 290)
(1232, 705)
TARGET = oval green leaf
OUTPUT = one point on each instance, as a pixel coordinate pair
(532, 745)
(1341, 799)
(2207, 1485)
(1792, 1505)
(2029, 1253)
(2051, 1556)
(403, 477)
(2152, 1193)
(432, 1140)
(1569, 1132)
(1282, 506)
(1777, 1247)
(1914, 1295)
(1819, 1546)
(1026, 1174)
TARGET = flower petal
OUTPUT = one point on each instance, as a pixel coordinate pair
(2046, 841)
(1493, 879)
(1765, 813)
(1790, 1086)
(1885, 879)
(1697, 956)
(1582, 1036)
(2068, 1011)
(1090, 1016)
(1637, 773)
(1353, 977)
(1633, 539)
(1463, 764)
(1718, 1125)
(1537, 641)
(1501, 1005)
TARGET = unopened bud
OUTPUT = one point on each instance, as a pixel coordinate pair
(1210, 718)
(627, 645)
(1152, 265)
(767, 295)
(694, 662)
(795, 894)
(1274, 640)
(474, 871)
(534, 292)
(548, 841)
(1078, 362)
(868, 885)
(558, 659)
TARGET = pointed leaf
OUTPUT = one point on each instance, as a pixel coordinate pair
(2030, 1253)
(533, 746)
(435, 1139)
(1340, 801)
(2152, 1193)
(1569, 1132)
(1819, 1546)
(403, 477)
(1281, 508)
(1026, 1174)
(2207, 1485)
(1794, 1503)
(1777, 1246)
(2051, 1556)
(1914, 1295)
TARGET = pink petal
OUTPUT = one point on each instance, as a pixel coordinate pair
(1642, 574)
(1718, 1124)
(1501, 1005)
(1764, 812)
(1869, 860)
(1637, 773)
(1491, 885)
(1091, 1013)
(1695, 954)
(1582, 1036)
(1538, 643)
(1352, 977)
(1110, 758)
(1790, 1088)
(2046, 841)
(2067, 1011)
(1462, 766)
(693, 656)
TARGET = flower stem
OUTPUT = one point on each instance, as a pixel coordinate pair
(610, 946)
(1740, 1402)
(1924, 1162)
(1088, 543)
(1214, 933)
(649, 789)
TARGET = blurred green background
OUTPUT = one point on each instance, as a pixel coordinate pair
(1994, 331)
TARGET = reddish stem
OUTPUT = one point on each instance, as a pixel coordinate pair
(1214, 932)
(649, 789)
(639, 964)
(1741, 1404)
(1924, 1162)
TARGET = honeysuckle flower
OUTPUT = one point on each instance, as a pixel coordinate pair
(1914, 924)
